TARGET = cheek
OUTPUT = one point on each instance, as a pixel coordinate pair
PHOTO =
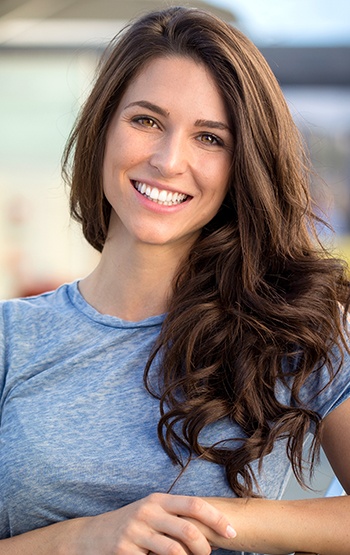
(221, 179)
(121, 148)
(216, 170)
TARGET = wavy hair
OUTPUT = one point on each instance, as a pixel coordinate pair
(257, 301)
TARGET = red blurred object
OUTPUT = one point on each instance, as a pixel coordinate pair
(36, 288)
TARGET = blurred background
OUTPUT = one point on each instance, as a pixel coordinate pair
(48, 53)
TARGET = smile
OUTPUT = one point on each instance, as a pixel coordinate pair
(167, 198)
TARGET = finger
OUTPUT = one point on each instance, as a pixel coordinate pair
(185, 532)
(163, 545)
(152, 553)
(201, 510)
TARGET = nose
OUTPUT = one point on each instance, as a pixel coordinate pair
(170, 156)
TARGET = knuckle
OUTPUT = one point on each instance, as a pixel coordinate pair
(154, 498)
(190, 532)
(175, 549)
(196, 505)
(132, 529)
(221, 521)
(121, 548)
(143, 512)
(148, 506)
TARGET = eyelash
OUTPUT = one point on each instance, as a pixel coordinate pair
(216, 141)
(141, 120)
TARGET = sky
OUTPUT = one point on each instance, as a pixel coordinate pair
(293, 22)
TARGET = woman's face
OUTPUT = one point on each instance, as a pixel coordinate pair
(168, 155)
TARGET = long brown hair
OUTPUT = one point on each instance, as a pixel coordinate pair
(256, 302)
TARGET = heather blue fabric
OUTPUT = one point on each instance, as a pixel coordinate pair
(78, 429)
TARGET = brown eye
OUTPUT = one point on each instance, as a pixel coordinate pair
(210, 139)
(145, 121)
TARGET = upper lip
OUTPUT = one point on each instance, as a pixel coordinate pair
(160, 186)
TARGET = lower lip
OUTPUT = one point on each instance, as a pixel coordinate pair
(159, 208)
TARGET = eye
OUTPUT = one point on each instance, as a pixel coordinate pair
(210, 139)
(145, 121)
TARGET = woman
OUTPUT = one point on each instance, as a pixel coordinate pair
(157, 405)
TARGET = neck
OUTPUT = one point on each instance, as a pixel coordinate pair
(132, 283)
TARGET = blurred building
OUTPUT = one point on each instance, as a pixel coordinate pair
(48, 54)
(316, 84)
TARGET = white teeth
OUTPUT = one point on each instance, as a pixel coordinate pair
(154, 193)
(161, 197)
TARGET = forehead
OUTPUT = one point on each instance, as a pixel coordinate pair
(177, 81)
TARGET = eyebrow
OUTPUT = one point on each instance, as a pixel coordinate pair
(198, 123)
(212, 124)
(149, 106)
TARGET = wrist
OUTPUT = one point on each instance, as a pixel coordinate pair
(69, 536)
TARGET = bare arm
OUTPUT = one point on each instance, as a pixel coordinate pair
(311, 525)
(153, 524)
(159, 524)
(281, 527)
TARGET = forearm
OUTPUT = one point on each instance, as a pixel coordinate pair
(50, 540)
(280, 527)
(154, 524)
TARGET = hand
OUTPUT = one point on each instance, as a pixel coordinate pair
(153, 525)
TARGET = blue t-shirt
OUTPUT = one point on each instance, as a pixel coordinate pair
(78, 429)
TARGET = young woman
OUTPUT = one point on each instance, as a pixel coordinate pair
(157, 406)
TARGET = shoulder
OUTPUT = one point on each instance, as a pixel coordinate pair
(26, 323)
(325, 390)
(328, 383)
(24, 314)
(34, 329)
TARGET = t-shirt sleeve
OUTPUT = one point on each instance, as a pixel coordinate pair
(321, 392)
(322, 395)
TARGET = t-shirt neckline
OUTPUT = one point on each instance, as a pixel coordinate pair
(79, 302)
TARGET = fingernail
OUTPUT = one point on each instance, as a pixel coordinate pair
(231, 532)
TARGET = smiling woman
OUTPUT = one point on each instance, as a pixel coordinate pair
(158, 405)
(161, 143)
